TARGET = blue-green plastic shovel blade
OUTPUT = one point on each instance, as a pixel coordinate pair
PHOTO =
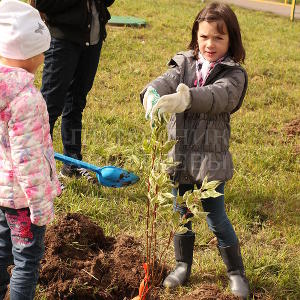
(107, 176)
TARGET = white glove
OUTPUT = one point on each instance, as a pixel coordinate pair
(151, 97)
(174, 103)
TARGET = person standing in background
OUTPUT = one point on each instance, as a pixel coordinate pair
(77, 33)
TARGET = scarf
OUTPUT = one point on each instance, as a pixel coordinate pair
(204, 68)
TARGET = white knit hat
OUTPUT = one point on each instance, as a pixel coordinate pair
(23, 34)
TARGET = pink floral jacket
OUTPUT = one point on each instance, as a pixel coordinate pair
(27, 166)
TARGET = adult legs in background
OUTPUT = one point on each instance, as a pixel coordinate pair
(68, 76)
(75, 101)
(61, 61)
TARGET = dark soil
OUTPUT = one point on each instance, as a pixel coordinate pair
(81, 263)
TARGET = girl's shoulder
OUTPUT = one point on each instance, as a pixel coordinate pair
(229, 62)
(229, 66)
(181, 57)
(14, 83)
(28, 103)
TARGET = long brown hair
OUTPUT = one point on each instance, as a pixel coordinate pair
(216, 12)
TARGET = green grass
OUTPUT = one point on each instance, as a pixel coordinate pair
(263, 197)
(282, 1)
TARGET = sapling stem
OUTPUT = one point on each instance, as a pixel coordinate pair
(160, 218)
(154, 237)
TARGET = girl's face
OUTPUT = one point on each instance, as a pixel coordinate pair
(212, 44)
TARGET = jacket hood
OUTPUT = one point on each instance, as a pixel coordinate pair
(12, 82)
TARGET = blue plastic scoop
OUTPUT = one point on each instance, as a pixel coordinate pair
(108, 176)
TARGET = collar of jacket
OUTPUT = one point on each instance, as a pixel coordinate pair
(228, 62)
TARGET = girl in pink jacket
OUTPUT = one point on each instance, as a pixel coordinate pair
(28, 180)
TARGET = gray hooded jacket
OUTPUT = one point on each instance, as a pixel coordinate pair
(203, 130)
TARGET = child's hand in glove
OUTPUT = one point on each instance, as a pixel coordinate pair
(174, 103)
(151, 97)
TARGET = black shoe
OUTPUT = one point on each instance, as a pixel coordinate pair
(73, 171)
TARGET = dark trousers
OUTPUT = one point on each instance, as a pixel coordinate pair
(68, 76)
(217, 219)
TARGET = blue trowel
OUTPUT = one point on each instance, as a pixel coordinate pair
(109, 176)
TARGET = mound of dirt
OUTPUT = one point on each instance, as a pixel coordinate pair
(293, 128)
(81, 263)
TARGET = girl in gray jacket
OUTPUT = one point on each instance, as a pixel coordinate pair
(202, 88)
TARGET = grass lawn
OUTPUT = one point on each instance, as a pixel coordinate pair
(262, 199)
(282, 1)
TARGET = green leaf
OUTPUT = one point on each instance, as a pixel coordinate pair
(162, 199)
(168, 195)
(154, 175)
(152, 182)
(146, 146)
(210, 194)
(200, 215)
(185, 220)
(168, 146)
(186, 195)
(182, 230)
(211, 185)
(179, 200)
(154, 200)
(197, 194)
(176, 219)
(166, 207)
(195, 210)
(163, 179)
(204, 182)
(189, 201)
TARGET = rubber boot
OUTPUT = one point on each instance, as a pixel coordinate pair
(184, 248)
(235, 270)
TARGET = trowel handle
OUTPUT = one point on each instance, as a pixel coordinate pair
(72, 161)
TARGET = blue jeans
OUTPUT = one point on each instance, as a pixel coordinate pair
(21, 244)
(217, 219)
(68, 76)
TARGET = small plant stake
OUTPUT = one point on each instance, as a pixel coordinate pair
(162, 222)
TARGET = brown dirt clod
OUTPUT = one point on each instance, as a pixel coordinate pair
(81, 263)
